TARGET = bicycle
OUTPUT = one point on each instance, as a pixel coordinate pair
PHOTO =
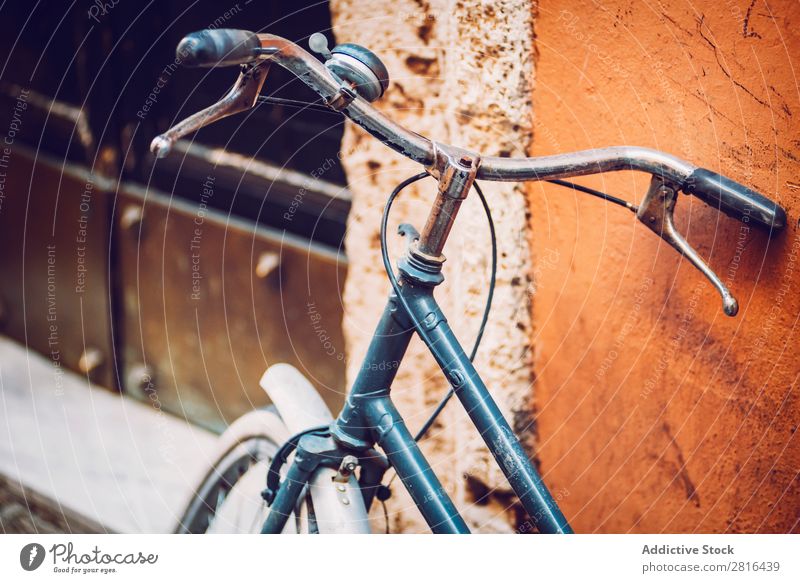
(337, 472)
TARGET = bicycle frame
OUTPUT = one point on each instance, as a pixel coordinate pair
(369, 417)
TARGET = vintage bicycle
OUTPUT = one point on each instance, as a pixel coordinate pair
(293, 467)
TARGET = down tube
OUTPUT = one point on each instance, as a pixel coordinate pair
(496, 432)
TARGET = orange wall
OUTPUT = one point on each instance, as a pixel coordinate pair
(655, 410)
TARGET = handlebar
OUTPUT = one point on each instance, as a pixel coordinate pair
(225, 47)
(734, 199)
(222, 47)
(255, 52)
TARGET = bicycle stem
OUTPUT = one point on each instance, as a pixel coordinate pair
(455, 169)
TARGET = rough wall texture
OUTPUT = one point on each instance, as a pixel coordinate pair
(657, 412)
(441, 65)
(654, 411)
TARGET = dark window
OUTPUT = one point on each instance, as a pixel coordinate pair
(106, 61)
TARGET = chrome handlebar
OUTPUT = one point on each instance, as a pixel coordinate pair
(255, 52)
(410, 144)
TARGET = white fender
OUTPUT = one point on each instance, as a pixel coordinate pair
(300, 406)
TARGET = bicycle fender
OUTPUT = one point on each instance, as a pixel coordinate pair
(339, 510)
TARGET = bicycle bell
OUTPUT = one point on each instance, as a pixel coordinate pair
(355, 65)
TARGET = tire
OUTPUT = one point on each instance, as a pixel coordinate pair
(228, 498)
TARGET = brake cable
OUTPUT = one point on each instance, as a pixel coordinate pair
(610, 198)
(585, 189)
(315, 106)
(396, 287)
(273, 474)
(487, 308)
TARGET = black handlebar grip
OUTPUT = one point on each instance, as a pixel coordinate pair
(222, 47)
(734, 199)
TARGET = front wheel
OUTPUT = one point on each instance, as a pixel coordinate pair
(228, 499)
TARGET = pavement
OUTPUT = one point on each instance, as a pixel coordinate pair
(79, 457)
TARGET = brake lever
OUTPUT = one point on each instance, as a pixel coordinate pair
(242, 96)
(656, 212)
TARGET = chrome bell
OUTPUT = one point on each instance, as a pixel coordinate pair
(355, 65)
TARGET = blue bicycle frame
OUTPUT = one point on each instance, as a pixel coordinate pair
(369, 417)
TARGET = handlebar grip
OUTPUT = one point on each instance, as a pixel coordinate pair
(734, 200)
(221, 47)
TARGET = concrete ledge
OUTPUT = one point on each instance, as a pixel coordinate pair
(23, 510)
(102, 461)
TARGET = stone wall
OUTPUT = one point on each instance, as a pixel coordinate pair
(658, 412)
(471, 86)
